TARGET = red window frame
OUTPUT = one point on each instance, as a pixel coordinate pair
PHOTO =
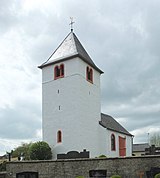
(58, 71)
(62, 70)
(59, 136)
(89, 74)
(113, 142)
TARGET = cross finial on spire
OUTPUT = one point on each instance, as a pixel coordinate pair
(71, 24)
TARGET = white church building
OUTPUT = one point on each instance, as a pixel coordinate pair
(71, 105)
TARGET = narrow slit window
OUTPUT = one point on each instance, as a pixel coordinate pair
(59, 136)
(113, 142)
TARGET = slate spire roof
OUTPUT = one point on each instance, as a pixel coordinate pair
(111, 124)
(69, 48)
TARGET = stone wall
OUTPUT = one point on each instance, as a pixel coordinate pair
(129, 167)
(2, 174)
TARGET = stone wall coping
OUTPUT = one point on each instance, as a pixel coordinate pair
(3, 172)
(82, 159)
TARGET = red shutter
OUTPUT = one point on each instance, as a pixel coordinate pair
(122, 146)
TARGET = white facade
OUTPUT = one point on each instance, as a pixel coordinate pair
(105, 142)
(115, 153)
(72, 105)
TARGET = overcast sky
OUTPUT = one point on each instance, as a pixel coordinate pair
(121, 36)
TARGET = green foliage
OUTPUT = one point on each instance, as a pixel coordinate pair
(102, 156)
(40, 151)
(157, 175)
(116, 176)
(22, 150)
(3, 166)
(79, 177)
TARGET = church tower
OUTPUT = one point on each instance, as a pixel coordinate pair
(71, 106)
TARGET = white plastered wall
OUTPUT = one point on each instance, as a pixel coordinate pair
(79, 113)
(116, 152)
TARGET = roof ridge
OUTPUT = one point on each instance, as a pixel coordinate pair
(68, 48)
(76, 39)
(57, 48)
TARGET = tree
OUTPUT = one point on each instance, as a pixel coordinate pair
(155, 139)
(157, 175)
(40, 151)
(22, 150)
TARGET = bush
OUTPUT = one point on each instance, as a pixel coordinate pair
(157, 175)
(116, 176)
(40, 151)
(3, 166)
(23, 149)
(102, 156)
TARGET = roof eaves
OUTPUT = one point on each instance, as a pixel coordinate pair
(58, 60)
(105, 116)
(114, 129)
(83, 53)
(94, 66)
(120, 132)
(100, 123)
(67, 58)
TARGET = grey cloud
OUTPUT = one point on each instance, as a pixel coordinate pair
(121, 37)
(20, 122)
(8, 14)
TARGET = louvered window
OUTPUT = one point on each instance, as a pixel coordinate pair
(89, 74)
(59, 71)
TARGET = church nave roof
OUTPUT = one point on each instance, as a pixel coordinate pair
(110, 123)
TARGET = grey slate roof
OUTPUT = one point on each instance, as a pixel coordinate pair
(110, 123)
(140, 147)
(69, 48)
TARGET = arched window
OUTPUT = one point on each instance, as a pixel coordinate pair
(113, 142)
(62, 69)
(89, 74)
(59, 71)
(56, 72)
(59, 136)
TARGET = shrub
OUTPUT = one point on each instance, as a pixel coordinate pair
(116, 176)
(157, 175)
(102, 156)
(3, 166)
(23, 149)
(40, 151)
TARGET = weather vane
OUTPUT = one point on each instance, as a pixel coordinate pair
(71, 24)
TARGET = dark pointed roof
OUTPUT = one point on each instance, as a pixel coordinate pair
(68, 49)
(110, 123)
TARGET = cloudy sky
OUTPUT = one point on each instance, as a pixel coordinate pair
(121, 36)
